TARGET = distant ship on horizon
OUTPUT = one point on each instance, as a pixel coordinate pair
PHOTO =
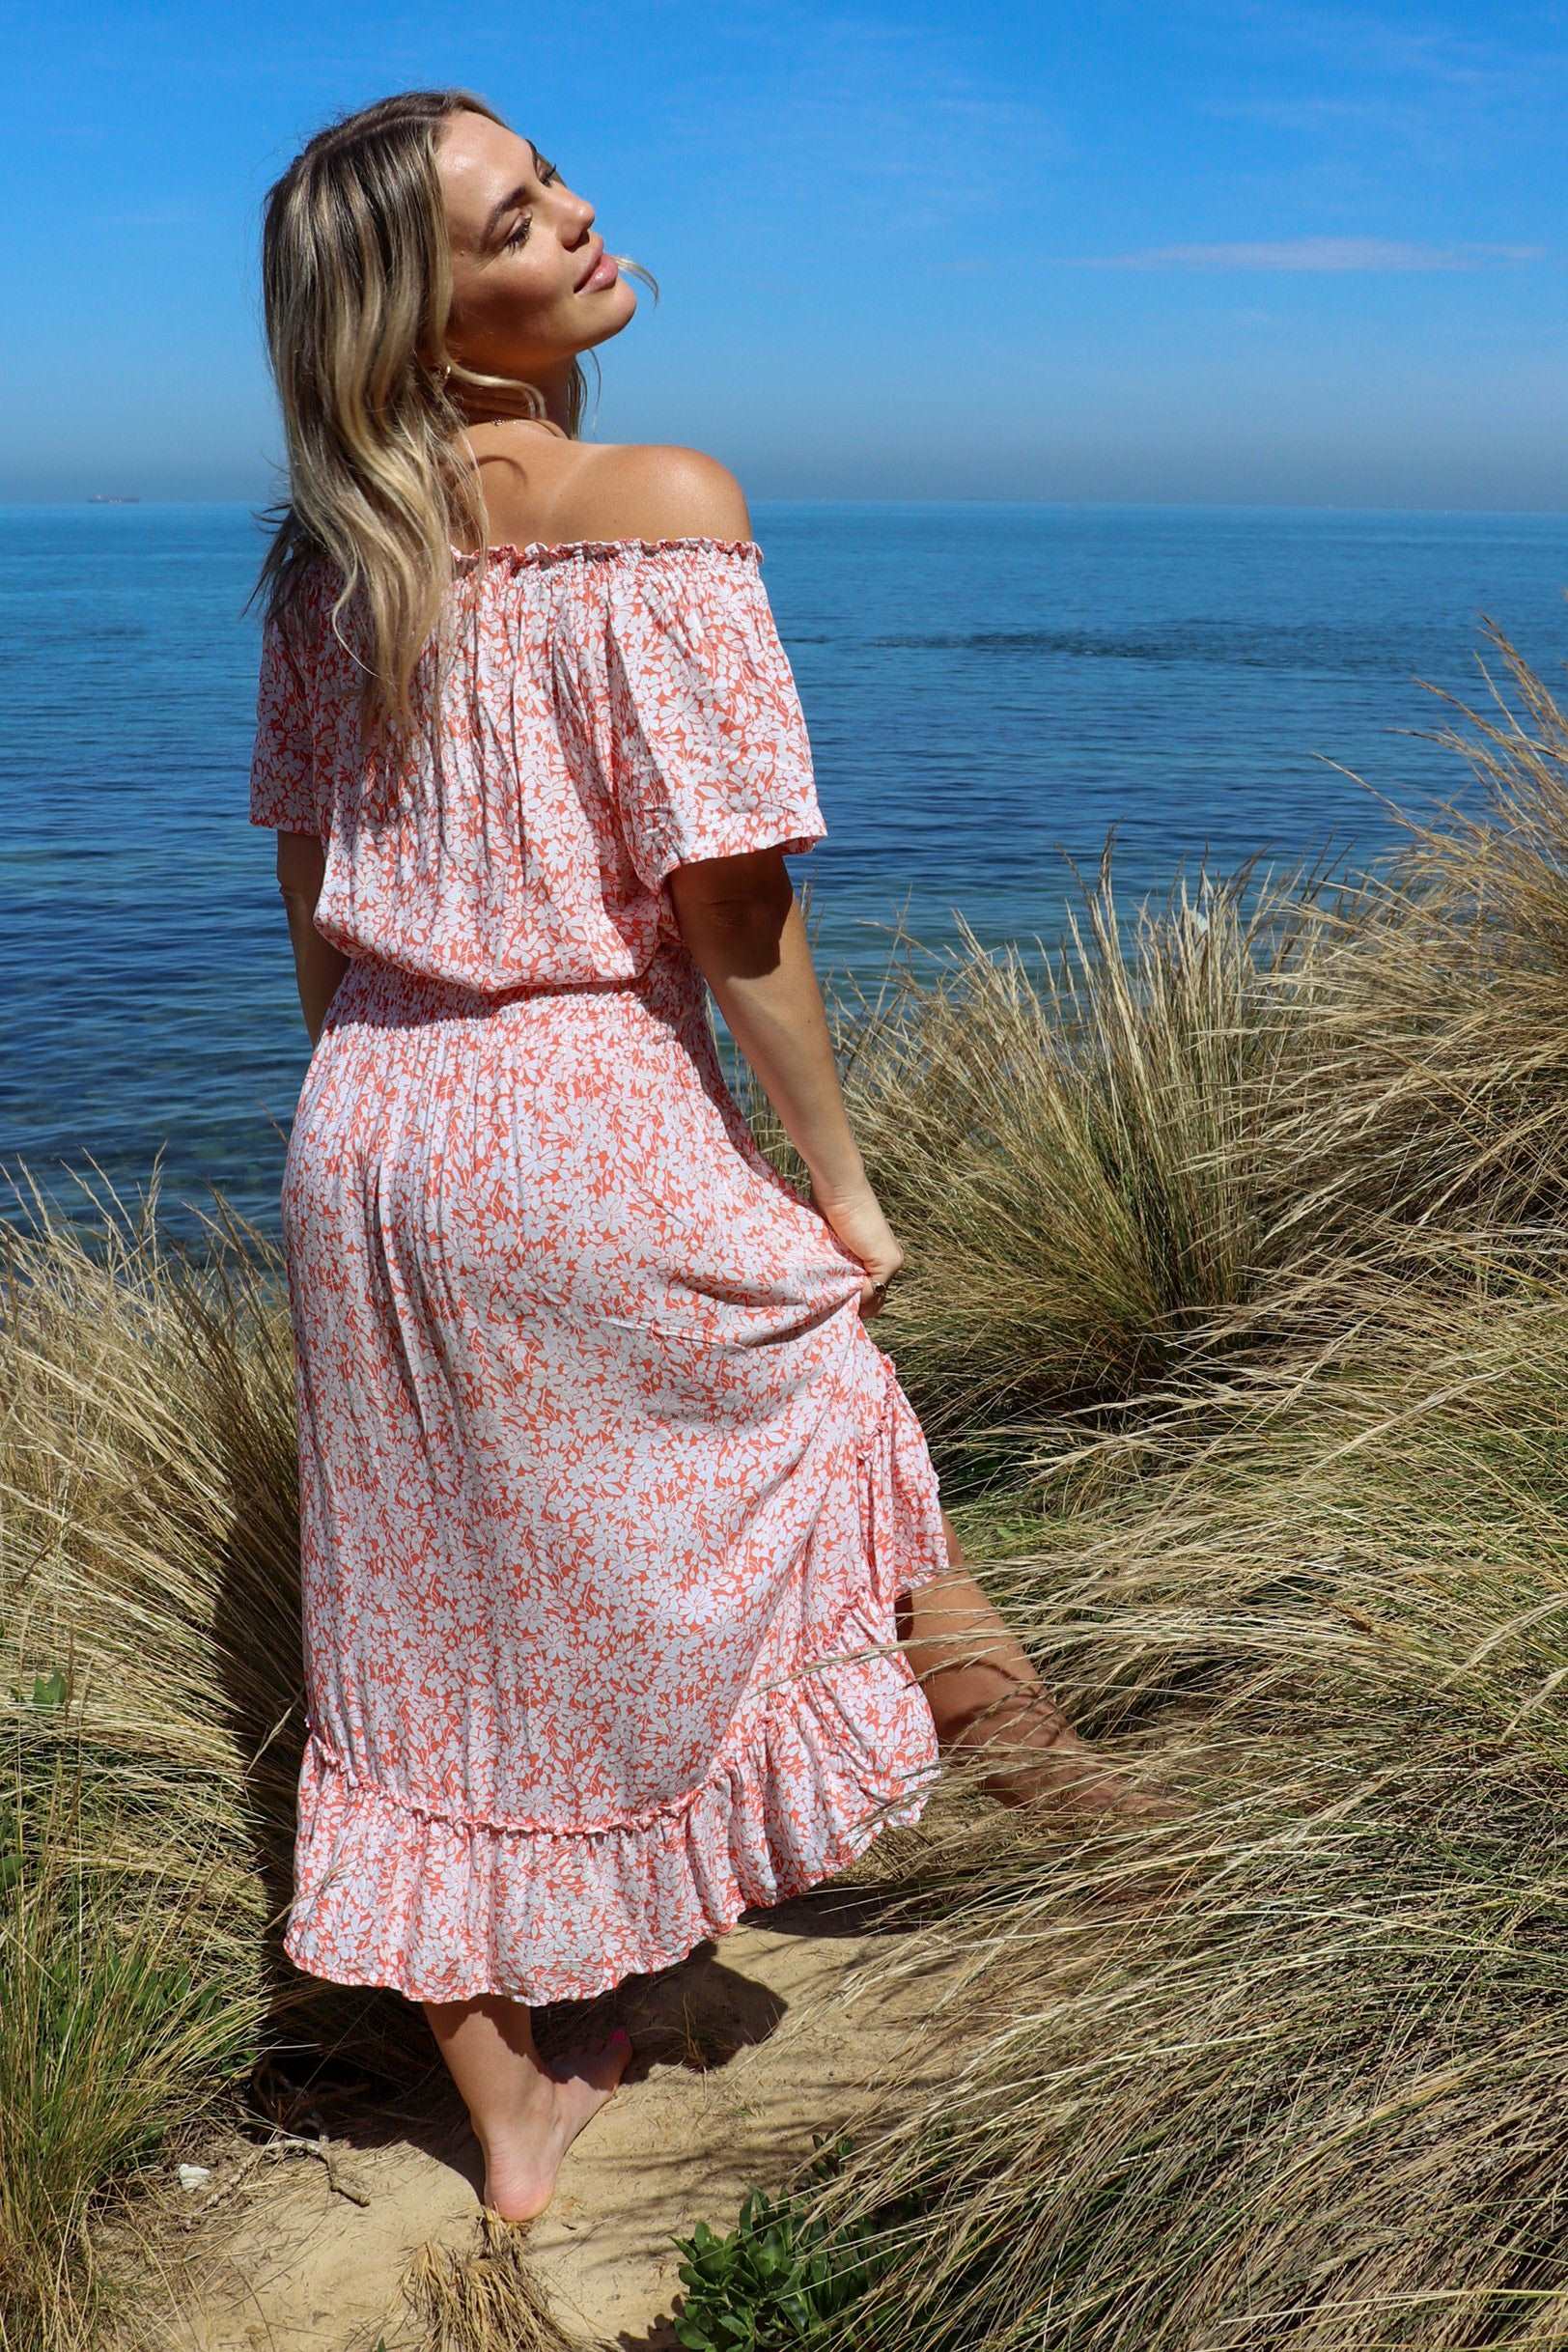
(113, 498)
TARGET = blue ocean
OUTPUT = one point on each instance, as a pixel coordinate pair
(990, 689)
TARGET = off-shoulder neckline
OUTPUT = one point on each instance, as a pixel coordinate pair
(546, 551)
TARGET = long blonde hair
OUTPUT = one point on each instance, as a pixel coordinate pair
(356, 284)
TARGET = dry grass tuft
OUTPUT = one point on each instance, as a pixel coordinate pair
(486, 2298)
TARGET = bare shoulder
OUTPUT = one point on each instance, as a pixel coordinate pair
(655, 489)
(542, 486)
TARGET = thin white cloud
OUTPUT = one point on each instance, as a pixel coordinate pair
(1323, 253)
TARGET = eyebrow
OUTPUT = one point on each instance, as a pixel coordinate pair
(515, 197)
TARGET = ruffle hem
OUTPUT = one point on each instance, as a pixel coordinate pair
(441, 1907)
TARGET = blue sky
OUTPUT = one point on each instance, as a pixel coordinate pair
(1236, 250)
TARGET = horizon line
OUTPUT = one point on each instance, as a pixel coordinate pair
(1286, 506)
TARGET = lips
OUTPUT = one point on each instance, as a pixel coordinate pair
(599, 255)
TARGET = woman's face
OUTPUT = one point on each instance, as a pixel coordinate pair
(531, 285)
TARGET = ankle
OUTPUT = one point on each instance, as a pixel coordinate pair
(1023, 1723)
(530, 2118)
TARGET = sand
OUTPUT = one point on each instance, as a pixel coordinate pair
(759, 2039)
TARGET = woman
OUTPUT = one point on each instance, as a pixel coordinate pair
(628, 1602)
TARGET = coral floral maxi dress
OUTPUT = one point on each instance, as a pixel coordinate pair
(607, 1491)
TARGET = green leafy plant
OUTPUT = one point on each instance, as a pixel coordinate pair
(781, 2279)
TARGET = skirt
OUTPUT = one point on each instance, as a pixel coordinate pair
(606, 1494)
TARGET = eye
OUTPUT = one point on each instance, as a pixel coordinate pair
(547, 172)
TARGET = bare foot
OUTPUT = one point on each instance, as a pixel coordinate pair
(520, 2167)
(1072, 1776)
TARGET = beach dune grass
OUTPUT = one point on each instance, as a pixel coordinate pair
(1236, 1296)
(149, 1600)
(1069, 1144)
(1291, 2073)
(1441, 1010)
(121, 2023)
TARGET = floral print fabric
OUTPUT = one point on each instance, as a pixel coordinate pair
(624, 707)
(607, 1491)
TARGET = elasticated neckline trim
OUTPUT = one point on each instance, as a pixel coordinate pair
(556, 550)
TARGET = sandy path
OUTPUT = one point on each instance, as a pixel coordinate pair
(756, 2040)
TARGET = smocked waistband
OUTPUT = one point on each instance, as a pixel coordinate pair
(370, 967)
(374, 982)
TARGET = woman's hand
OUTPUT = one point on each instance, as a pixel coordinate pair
(856, 1216)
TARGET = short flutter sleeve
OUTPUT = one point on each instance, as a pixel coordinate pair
(283, 786)
(712, 754)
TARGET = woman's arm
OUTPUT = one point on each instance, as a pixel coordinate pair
(743, 926)
(318, 966)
